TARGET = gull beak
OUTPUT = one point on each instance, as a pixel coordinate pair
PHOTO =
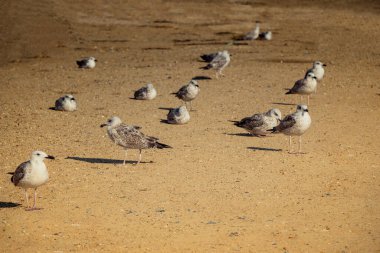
(315, 77)
(324, 65)
(50, 157)
(103, 125)
(73, 99)
(96, 60)
(306, 110)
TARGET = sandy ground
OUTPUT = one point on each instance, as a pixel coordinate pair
(217, 190)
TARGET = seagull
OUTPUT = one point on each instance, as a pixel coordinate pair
(318, 70)
(254, 34)
(32, 174)
(178, 115)
(188, 92)
(66, 103)
(129, 137)
(209, 57)
(259, 124)
(87, 63)
(295, 124)
(146, 93)
(266, 35)
(305, 86)
(219, 63)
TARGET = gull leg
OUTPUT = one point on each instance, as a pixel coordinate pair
(308, 99)
(125, 159)
(191, 107)
(35, 201)
(27, 198)
(290, 144)
(299, 144)
(35, 198)
(139, 157)
(217, 75)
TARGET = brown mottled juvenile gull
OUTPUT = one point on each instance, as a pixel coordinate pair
(147, 92)
(259, 124)
(295, 124)
(66, 103)
(188, 92)
(87, 63)
(129, 137)
(32, 174)
(178, 115)
(219, 63)
(305, 86)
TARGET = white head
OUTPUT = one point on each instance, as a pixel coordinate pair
(302, 108)
(69, 97)
(318, 64)
(225, 53)
(40, 156)
(311, 75)
(194, 82)
(275, 113)
(149, 86)
(92, 59)
(182, 109)
(112, 122)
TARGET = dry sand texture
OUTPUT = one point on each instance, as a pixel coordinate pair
(217, 190)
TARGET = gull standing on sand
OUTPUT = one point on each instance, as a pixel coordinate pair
(259, 124)
(87, 63)
(254, 34)
(32, 174)
(66, 103)
(188, 92)
(318, 70)
(147, 92)
(219, 63)
(295, 124)
(129, 137)
(305, 86)
(178, 115)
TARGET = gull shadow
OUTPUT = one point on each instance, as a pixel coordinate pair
(279, 103)
(201, 78)
(284, 60)
(165, 108)
(102, 160)
(164, 121)
(8, 204)
(265, 149)
(242, 134)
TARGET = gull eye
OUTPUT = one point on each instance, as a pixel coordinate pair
(38, 154)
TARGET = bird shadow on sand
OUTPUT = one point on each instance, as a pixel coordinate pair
(165, 108)
(8, 204)
(164, 121)
(265, 149)
(241, 134)
(102, 160)
(279, 103)
(201, 78)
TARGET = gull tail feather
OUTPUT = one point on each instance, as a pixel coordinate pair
(160, 145)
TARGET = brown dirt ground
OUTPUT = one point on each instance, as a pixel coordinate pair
(216, 190)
